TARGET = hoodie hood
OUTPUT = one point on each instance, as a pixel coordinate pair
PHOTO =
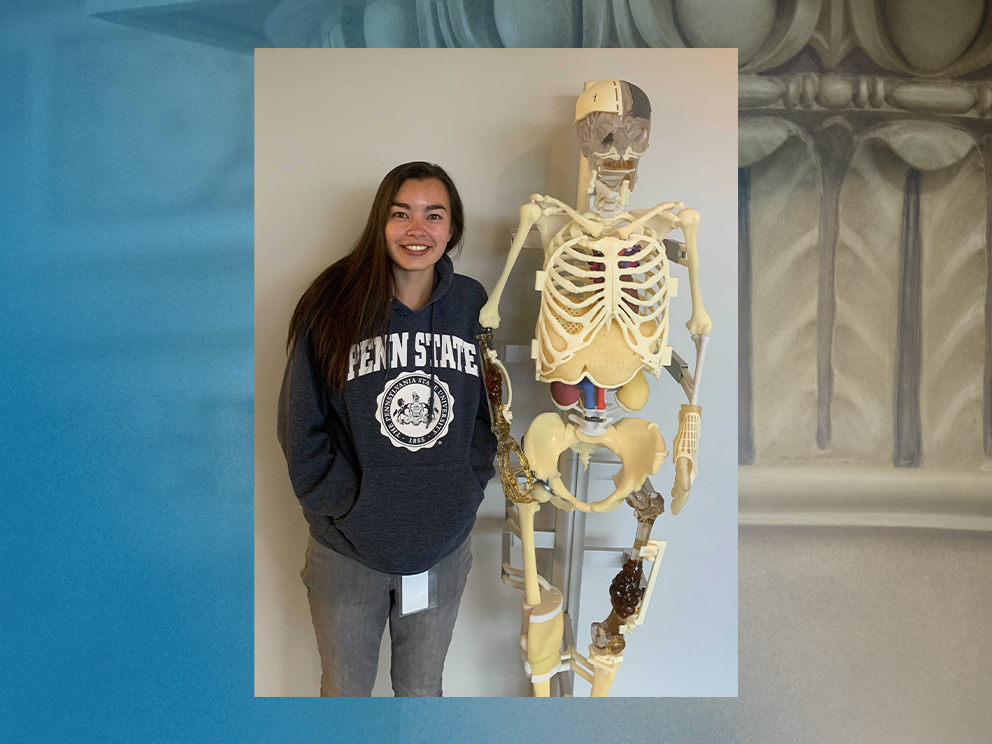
(444, 279)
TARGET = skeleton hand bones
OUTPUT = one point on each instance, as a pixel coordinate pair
(686, 443)
(680, 491)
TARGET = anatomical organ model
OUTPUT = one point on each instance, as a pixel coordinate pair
(604, 320)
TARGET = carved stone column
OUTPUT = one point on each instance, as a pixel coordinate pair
(892, 110)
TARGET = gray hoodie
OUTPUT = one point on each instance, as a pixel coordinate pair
(391, 472)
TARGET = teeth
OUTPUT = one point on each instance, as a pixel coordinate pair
(620, 164)
(416, 248)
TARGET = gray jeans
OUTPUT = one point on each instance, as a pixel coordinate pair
(350, 604)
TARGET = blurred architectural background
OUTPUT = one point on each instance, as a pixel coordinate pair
(863, 185)
(125, 370)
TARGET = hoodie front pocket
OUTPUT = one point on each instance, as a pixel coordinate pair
(408, 515)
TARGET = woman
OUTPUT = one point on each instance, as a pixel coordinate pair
(384, 423)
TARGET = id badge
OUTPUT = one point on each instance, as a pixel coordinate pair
(418, 592)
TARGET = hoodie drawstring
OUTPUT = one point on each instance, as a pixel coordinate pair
(431, 355)
(432, 348)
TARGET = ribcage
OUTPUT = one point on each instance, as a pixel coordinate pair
(590, 284)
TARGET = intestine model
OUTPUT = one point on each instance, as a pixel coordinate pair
(604, 320)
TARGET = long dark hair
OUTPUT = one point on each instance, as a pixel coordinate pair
(352, 298)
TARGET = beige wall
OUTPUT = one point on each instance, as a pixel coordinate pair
(329, 124)
(861, 634)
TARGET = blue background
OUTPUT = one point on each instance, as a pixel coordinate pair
(126, 302)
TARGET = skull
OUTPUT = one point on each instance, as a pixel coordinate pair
(613, 123)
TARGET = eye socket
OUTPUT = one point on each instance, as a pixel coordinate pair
(638, 132)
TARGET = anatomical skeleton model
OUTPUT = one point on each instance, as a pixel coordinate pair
(604, 321)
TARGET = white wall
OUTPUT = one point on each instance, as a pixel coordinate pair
(329, 124)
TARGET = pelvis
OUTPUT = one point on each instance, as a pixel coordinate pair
(637, 443)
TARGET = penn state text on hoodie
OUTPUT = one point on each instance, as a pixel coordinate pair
(391, 472)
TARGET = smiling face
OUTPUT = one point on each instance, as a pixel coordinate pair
(418, 227)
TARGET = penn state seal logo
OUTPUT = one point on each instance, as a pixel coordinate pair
(407, 415)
